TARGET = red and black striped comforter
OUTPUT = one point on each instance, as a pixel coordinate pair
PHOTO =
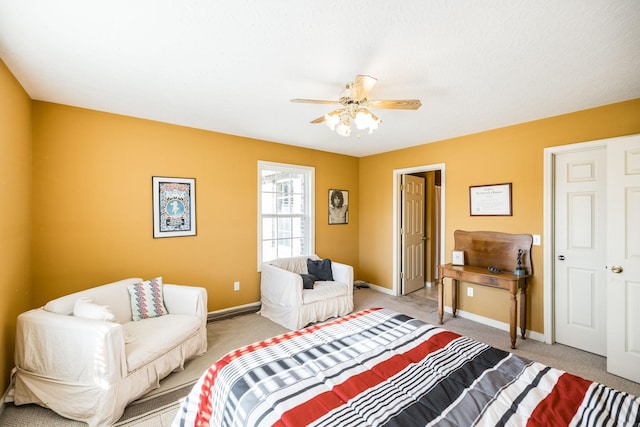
(381, 368)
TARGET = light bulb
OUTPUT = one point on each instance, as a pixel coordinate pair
(343, 129)
(362, 119)
(331, 120)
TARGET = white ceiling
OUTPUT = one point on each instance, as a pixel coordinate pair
(232, 66)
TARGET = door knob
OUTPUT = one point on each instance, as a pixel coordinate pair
(561, 257)
(616, 269)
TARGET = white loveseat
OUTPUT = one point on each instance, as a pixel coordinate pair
(286, 302)
(83, 369)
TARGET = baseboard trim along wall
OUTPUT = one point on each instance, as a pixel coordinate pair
(381, 289)
(503, 326)
(239, 310)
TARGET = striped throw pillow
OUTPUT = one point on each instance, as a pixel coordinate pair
(147, 300)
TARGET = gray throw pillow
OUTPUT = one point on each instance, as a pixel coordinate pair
(308, 280)
(320, 268)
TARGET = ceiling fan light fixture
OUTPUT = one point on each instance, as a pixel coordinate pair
(354, 100)
(366, 120)
(344, 128)
(332, 119)
(340, 121)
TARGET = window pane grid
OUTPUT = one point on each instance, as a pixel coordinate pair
(285, 211)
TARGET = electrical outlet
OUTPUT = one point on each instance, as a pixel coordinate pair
(236, 286)
(536, 240)
(469, 291)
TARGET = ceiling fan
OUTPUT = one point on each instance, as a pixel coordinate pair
(354, 103)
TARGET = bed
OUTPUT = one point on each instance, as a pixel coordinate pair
(378, 367)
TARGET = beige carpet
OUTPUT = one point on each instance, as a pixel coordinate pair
(159, 406)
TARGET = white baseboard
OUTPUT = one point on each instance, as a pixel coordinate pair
(493, 323)
(381, 289)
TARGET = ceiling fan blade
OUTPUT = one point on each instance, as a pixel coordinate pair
(332, 113)
(318, 120)
(314, 101)
(397, 104)
(362, 85)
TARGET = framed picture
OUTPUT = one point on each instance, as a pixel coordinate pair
(490, 200)
(174, 207)
(338, 207)
(457, 257)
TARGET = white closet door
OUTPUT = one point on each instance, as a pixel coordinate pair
(623, 257)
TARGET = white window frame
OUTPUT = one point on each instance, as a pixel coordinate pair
(309, 205)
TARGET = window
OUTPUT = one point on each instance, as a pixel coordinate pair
(285, 211)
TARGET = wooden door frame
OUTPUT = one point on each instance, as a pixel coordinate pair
(397, 218)
(549, 230)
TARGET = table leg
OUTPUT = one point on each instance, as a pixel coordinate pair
(512, 318)
(454, 296)
(523, 310)
(441, 298)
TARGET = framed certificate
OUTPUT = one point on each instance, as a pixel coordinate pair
(490, 200)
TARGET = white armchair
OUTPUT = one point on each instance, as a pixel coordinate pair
(286, 302)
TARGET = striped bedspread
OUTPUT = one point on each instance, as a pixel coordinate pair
(382, 368)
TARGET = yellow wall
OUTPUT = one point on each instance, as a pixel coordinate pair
(92, 218)
(15, 221)
(511, 154)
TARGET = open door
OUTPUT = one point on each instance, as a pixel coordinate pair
(433, 226)
(412, 233)
(623, 257)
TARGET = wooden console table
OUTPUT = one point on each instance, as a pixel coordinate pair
(483, 249)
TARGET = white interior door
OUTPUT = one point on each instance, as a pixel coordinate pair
(412, 233)
(581, 249)
(623, 259)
